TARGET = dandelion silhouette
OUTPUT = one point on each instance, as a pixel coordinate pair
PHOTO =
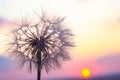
(43, 44)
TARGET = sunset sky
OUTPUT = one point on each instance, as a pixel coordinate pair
(95, 24)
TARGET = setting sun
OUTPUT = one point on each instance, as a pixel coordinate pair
(86, 73)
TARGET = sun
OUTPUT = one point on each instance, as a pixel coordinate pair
(86, 72)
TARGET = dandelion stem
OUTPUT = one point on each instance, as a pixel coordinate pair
(39, 65)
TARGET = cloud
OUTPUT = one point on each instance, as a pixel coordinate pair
(5, 63)
(10, 71)
(3, 21)
(110, 63)
(111, 59)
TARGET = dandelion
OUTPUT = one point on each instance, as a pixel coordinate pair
(43, 44)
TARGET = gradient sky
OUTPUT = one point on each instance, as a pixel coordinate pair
(95, 23)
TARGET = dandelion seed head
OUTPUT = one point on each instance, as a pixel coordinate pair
(44, 43)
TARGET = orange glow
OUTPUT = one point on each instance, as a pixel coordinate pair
(86, 73)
